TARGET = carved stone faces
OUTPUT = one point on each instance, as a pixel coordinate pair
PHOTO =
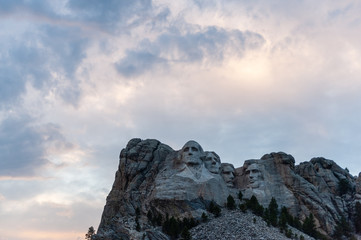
(254, 175)
(227, 171)
(192, 153)
(212, 162)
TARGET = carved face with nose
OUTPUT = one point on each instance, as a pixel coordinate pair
(254, 175)
(228, 173)
(212, 162)
(192, 153)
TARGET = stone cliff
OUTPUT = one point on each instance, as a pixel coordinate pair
(155, 180)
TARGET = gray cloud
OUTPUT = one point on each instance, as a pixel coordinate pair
(193, 46)
(23, 145)
(21, 63)
(55, 46)
(34, 58)
(115, 16)
(43, 8)
(135, 63)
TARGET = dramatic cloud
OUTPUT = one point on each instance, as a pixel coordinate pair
(79, 78)
(24, 146)
(195, 45)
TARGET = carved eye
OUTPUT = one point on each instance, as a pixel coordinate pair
(247, 172)
(194, 149)
(208, 159)
(186, 149)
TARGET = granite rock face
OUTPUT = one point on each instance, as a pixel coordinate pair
(311, 187)
(152, 178)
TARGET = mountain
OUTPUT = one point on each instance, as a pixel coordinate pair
(158, 186)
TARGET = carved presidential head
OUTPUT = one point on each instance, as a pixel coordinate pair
(192, 153)
(212, 162)
(254, 174)
(228, 171)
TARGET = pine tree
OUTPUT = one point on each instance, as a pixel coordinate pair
(296, 223)
(137, 214)
(204, 217)
(231, 204)
(211, 207)
(273, 212)
(243, 207)
(285, 218)
(254, 205)
(137, 227)
(91, 232)
(344, 186)
(282, 222)
(309, 226)
(289, 233)
(186, 235)
(240, 195)
(159, 220)
(266, 216)
(214, 208)
(358, 217)
(171, 227)
(217, 211)
(150, 216)
(342, 229)
(137, 211)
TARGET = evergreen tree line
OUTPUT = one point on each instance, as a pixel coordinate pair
(344, 228)
(272, 216)
(281, 219)
(174, 227)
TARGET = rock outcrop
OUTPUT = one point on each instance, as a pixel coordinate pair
(155, 180)
(311, 187)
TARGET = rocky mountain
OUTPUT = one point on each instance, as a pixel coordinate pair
(155, 183)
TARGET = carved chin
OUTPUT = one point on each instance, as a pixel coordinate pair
(229, 184)
(193, 161)
(213, 170)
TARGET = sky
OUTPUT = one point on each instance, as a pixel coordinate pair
(80, 78)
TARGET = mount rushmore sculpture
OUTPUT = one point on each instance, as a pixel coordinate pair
(152, 178)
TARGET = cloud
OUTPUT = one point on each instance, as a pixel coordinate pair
(19, 64)
(23, 145)
(49, 220)
(211, 44)
(47, 58)
(40, 8)
(115, 16)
